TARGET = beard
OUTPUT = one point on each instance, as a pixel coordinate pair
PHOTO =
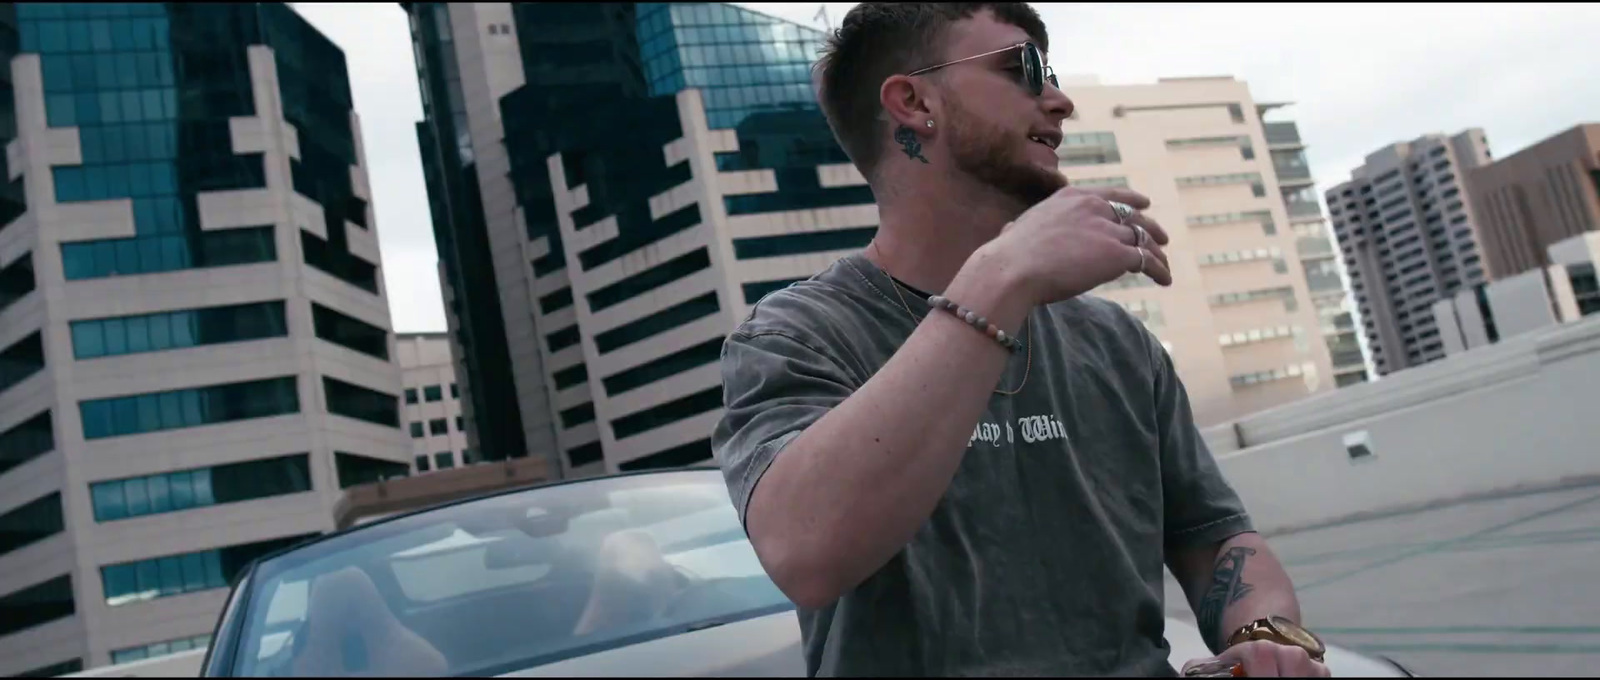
(989, 154)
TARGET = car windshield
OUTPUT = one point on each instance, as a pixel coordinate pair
(508, 582)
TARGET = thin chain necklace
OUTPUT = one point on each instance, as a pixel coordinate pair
(1027, 368)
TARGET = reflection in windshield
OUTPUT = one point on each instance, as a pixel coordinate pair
(510, 581)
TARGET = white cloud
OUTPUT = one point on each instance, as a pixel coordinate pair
(1361, 76)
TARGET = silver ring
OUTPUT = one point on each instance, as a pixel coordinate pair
(1123, 211)
(1142, 255)
(1141, 238)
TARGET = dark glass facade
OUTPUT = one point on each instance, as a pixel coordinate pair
(26, 441)
(178, 329)
(200, 487)
(151, 87)
(462, 239)
(590, 70)
(354, 469)
(36, 605)
(31, 522)
(13, 200)
(193, 407)
(171, 575)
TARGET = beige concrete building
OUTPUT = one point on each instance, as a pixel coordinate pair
(1563, 292)
(1536, 197)
(1239, 321)
(1409, 238)
(195, 354)
(433, 413)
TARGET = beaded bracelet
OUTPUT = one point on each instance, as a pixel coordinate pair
(1007, 341)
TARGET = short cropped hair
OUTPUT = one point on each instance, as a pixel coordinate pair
(881, 39)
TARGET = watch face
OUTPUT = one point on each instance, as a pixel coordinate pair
(1296, 634)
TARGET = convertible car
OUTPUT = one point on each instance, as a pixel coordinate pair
(629, 575)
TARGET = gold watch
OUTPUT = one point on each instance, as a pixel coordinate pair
(1282, 631)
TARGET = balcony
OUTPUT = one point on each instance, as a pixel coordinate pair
(1303, 209)
(1284, 134)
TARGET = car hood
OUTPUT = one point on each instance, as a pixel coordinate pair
(769, 646)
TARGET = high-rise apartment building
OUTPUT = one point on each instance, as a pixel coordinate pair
(1535, 198)
(433, 403)
(1409, 238)
(195, 353)
(1241, 321)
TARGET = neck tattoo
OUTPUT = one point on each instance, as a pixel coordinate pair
(907, 139)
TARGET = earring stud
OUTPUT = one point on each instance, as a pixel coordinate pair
(930, 122)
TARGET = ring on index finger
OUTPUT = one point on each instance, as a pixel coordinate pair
(1141, 238)
(1123, 211)
(1143, 254)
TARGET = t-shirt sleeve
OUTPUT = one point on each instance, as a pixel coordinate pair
(1200, 506)
(774, 387)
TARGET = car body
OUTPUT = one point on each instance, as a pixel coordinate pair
(634, 574)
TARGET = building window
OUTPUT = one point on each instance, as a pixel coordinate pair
(200, 487)
(36, 605)
(677, 456)
(141, 413)
(667, 366)
(468, 457)
(342, 265)
(354, 469)
(16, 280)
(422, 463)
(562, 339)
(461, 424)
(650, 279)
(802, 244)
(585, 454)
(556, 301)
(26, 441)
(121, 335)
(21, 360)
(577, 415)
(572, 375)
(411, 395)
(438, 426)
(157, 253)
(755, 290)
(454, 393)
(31, 522)
(159, 649)
(416, 430)
(665, 320)
(54, 670)
(668, 413)
(349, 332)
(360, 403)
(433, 393)
(1088, 148)
(443, 461)
(172, 575)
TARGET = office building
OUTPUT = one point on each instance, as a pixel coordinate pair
(650, 187)
(432, 402)
(1536, 197)
(195, 345)
(1408, 236)
(1241, 321)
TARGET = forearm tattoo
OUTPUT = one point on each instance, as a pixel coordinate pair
(1227, 587)
(907, 138)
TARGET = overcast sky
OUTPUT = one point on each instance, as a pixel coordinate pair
(1361, 76)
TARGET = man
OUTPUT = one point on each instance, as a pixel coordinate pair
(937, 498)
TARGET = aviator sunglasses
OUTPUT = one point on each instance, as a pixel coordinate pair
(1034, 72)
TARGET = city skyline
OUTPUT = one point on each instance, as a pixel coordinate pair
(1532, 54)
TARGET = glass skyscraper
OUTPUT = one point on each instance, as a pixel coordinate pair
(195, 346)
(664, 166)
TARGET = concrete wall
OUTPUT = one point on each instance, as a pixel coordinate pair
(1498, 418)
(1521, 304)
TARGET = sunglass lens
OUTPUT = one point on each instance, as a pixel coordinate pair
(1033, 68)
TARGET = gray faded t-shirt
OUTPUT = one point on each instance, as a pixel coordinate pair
(1045, 555)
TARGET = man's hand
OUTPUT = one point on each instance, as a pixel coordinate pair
(1071, 242)
(1264, 659)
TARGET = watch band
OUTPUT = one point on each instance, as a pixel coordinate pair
(1282, 631)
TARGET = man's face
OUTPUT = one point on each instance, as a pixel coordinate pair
(992, 118)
